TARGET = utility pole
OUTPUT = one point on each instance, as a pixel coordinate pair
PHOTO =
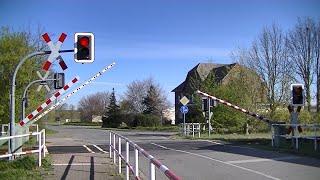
(11, 146)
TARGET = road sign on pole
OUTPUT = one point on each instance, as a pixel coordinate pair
(54, 51)
(184, 100)
(184, 110)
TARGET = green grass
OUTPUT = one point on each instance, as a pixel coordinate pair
(159, 128)
(24, 168)
(50, 131)
(140, 128)
(83, 123)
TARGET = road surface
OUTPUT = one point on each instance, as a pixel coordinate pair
(190, 159)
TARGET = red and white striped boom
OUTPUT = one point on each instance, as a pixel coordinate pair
(73, 92)
(48, 101)
(255, 115)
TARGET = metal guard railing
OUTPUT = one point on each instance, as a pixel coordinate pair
(153, 162)
(41, 137)
(297, 134)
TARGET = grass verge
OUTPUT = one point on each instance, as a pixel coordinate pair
(24, 168)
(140, 128)
(83, 123)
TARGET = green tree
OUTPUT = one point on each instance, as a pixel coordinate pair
(13, 47)
(112, 116)
(151, 101)
(241, 87)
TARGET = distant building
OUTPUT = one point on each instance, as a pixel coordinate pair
(222, 74)
(169, 115)
(96, 118)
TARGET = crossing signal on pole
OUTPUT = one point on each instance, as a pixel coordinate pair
(84, 47)
(59, 80)
(297, 91)
(205, 104)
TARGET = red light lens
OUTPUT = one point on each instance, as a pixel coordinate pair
(84, 41)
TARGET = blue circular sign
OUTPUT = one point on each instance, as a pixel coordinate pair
(184, 109)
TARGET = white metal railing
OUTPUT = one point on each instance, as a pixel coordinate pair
(7, 126)
(191, 128)
(41, 136)
(153, 162)
(299, 131)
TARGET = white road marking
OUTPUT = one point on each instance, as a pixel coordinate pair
(263, 159)
(88, 149)
(100, 149)
(76, 164)
(206, 157)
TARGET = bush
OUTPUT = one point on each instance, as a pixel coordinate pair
(316, 118)
(145, 120)
(281, 114)
(304, 117)
(112, 122)
(131, 120)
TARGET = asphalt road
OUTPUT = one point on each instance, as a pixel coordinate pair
(190, 159)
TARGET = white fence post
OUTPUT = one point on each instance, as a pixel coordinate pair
(39, 153)
(119, 150)
(44, 143)
(192, 130)
(114, 148)
(272, 135)
(136, 161)
(37, 131)
(127, 160)
(110, 139)
(296, 136)
(315, 138)
(152, 171)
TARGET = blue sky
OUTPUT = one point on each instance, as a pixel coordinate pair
(159, 39)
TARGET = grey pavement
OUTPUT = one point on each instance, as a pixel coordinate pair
(75, 157)
(191, 159)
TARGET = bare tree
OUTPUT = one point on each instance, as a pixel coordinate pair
(93, 104)
(72, 110)
(302, 52)
(136, 93)
(268, 56)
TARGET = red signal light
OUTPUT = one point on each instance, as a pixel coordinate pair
(84, 41)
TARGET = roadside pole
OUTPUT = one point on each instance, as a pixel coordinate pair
(11, 146)
(184, 124)
(12, 99)
(209, 123)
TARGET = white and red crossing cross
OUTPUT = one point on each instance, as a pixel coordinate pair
(54, 52)
(44, 82)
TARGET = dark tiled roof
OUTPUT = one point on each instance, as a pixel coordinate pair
(179, 88)
(203, 70)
